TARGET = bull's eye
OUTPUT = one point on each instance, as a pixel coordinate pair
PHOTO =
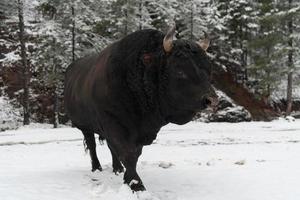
(181, 75)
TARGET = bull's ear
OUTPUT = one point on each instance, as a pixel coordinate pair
(204, 43)
(168, 40)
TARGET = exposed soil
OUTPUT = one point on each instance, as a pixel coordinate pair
(242, 96)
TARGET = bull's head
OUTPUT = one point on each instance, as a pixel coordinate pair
(189, 69)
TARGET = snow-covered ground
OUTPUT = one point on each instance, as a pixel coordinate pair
(216, 161)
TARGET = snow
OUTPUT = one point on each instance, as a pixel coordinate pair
(30, 9)
(215, 161)
(11, 57)
(281, 92)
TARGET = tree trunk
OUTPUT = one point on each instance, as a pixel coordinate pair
(289, 93)
(126, 18)
(192, 20)
(73, 34)
(25, 70)
(140, 14)
(55, 105)
(290, 65)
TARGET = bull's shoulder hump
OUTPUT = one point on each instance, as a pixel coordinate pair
(142, 36)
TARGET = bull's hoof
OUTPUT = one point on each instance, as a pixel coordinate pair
(118, 170)
(136, 186)
(96, 167)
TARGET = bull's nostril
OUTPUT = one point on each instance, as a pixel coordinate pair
(207, 101)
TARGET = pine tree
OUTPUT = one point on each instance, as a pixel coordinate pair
(290, 63)
(266, 53)
(161, 13)
(236, 22)
(67, 30)
(127, 16)
(25, 66)
(289, 15)
(195, 18)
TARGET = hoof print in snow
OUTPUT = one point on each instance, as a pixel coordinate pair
(144, 195)
(260, 161)
(241, 162)
(165, 165)
(210, 163)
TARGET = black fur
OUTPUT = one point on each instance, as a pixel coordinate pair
(133, 88)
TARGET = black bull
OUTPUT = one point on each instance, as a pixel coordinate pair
(131, 89)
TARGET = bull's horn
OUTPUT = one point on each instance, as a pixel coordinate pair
(204, 43)
(168, 40)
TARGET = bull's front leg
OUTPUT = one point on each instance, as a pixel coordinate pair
(128, 154)
(131, 177)
(124, 147)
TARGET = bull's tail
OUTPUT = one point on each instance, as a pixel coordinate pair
(85, 145)
(101, 142)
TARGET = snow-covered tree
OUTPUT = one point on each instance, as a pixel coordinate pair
(194, 18)
(266, 50)
(25, 66)
(162, 13)
(289, 15)
(13, 39)
(237, 23)
(65, 33)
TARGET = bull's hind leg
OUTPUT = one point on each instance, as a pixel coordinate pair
(89, 138)
(116, 164)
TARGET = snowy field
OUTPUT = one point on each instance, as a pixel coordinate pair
(198, 161)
